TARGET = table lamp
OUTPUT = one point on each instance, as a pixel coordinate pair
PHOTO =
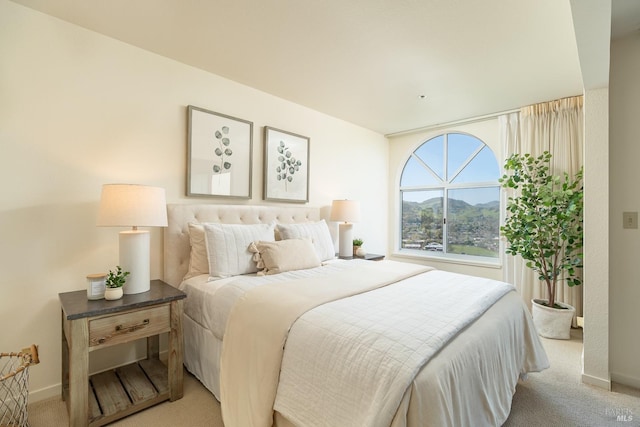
(130, 205)
(346, 212)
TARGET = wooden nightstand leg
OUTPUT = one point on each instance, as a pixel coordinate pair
(78, 373)
(65, 365)
(174, 362)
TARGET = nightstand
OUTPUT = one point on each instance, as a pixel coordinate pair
(92, 325)
(368, 257)
(371, 257)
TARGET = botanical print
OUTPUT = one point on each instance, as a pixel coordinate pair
(286, 166)
(222, 150)
(220, 153)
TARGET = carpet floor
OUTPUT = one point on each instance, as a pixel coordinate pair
(555, 397)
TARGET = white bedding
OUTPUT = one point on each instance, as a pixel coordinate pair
(348, 363)
(209, 302)
(464, 384)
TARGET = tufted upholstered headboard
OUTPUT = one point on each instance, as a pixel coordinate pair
(176, 234)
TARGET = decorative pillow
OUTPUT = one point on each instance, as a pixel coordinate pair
(198, 261)
(317, 231)
(228, 247)
(284, 255)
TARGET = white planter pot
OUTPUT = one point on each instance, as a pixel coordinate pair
(113, 293)
(221, 184)
(552, 322)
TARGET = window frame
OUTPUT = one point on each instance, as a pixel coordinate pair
(445, 186)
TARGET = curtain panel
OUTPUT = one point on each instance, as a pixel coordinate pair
(557, 127)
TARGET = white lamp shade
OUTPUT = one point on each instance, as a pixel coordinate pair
(130, 205)
(345, 211)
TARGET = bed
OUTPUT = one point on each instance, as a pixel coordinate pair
(315, 341)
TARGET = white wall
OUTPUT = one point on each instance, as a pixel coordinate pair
(596, 352)
(624, 142)
(400, 148)
(78, 110)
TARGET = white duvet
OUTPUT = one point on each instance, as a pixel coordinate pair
(349, 363)
(209, 302)
(468, 383)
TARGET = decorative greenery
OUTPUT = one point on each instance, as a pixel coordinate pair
(222, 150)
(357, 242)
(117, 279)
(288, 165)
(544, 222)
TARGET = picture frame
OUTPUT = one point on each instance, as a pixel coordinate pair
(286, 166)
(219, 154)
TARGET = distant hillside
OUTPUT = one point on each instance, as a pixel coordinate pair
(468, 226)
(455, 205)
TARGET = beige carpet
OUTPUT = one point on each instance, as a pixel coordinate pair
(557, 397)
(553, 398)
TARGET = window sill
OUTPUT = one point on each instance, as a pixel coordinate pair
(452, 259)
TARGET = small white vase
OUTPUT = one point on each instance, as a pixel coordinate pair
(552, 322)
(113, 293)
(361, 252)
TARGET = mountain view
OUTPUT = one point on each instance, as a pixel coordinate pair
(471, 229)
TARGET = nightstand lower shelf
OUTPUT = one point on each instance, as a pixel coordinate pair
(125, 390)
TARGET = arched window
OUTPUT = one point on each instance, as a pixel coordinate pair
(450, 198)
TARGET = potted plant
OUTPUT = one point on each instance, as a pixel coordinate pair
(357, 247)
(544, 227)
(113, 285)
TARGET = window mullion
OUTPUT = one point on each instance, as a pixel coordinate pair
(426, 166)
(445, 210)
(466, 163)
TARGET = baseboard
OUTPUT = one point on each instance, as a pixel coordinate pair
(626, 380)
(45, 393)
(598, 382)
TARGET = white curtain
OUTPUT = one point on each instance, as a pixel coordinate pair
(557, 127)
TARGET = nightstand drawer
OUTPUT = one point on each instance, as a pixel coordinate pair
(125, 327)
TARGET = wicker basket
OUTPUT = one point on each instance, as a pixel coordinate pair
(14, 386)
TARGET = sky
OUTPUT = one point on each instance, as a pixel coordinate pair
(454, 159)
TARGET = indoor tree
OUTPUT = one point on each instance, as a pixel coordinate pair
(544, 220)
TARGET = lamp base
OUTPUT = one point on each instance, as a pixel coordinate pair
(346, 240)
(134, 258)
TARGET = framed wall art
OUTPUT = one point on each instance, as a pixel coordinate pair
(286, 166)
(219, 154)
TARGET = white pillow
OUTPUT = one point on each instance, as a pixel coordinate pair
(284, 255)
(317, 231)
(228, 247)
(198, 260)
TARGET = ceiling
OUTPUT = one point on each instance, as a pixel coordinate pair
(389, 66)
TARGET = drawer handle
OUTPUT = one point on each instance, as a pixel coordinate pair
(132, 328)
